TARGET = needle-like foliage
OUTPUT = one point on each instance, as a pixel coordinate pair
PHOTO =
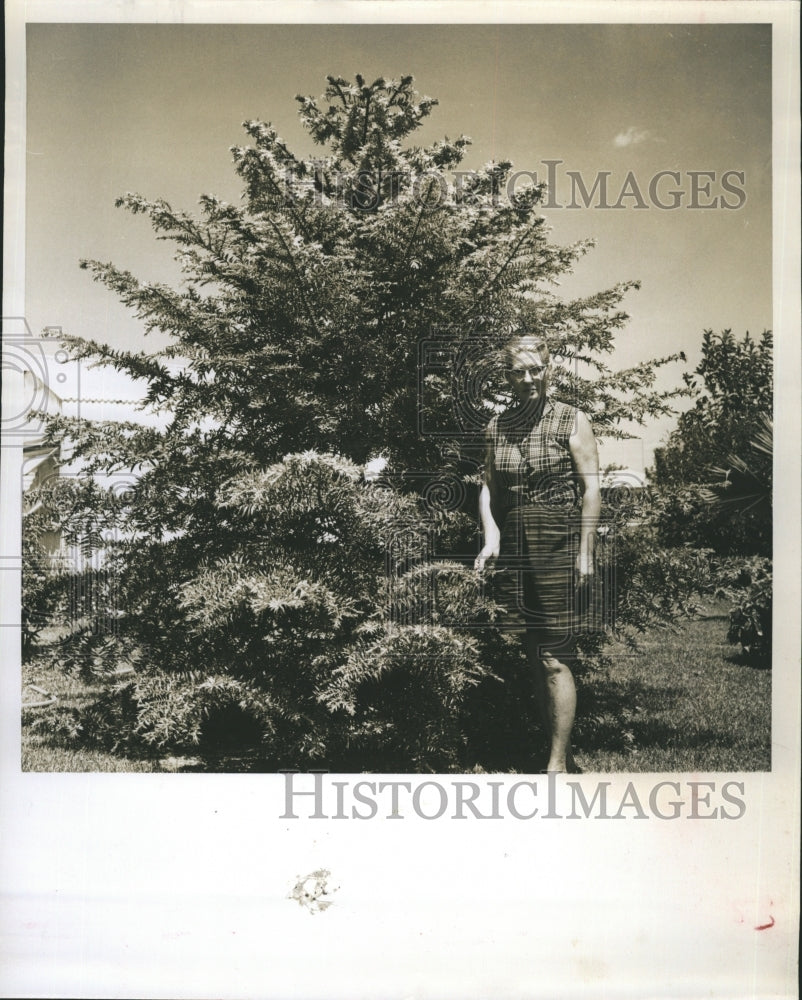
(267, 585)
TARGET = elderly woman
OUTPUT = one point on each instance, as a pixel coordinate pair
(539, 507)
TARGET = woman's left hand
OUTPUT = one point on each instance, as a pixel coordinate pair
(584, 565)
(584, 585)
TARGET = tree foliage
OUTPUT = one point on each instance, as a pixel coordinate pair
(344, 311)
(732, 385)
(714, 474)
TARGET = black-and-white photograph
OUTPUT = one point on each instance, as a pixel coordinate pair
(405, 399)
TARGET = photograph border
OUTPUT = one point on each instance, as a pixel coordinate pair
(201, 876)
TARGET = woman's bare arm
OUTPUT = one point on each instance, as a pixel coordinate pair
(584, 453)
(490, 530)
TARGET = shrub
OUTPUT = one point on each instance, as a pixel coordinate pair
(750, 623)
(45, 582)
(748, 585)
(652, 585)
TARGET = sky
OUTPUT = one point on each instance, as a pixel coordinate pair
(155, 109)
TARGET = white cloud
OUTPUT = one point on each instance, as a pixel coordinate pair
(632, 137)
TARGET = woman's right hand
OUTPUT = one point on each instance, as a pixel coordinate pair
(490, 551)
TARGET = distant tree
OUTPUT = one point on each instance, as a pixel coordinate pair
(269, 590)
(743, 497)
(733, 388)
(724, 438)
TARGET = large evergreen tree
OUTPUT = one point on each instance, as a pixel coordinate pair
(267, 590)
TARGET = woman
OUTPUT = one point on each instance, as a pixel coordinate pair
(541, 458)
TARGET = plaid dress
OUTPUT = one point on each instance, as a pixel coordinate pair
(536, 505)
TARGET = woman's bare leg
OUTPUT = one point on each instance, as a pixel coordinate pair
(556, 691)
(538, 676)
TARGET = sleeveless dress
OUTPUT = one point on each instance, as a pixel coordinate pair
(538, 510)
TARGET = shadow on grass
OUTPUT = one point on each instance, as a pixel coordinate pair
(742, 659)
(620, 716)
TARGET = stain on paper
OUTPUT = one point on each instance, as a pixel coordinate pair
(310, 891)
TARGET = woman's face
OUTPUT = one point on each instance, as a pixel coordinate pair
(528, 372)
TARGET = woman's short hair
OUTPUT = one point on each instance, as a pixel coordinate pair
(527, 341)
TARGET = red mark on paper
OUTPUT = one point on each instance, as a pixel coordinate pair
(765, 927)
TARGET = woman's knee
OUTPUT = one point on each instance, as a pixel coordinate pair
(552, 666)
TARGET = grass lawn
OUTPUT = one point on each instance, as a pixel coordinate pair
(40, 752)
(686, 702)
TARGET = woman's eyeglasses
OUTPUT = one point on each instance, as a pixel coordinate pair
(519, 373)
